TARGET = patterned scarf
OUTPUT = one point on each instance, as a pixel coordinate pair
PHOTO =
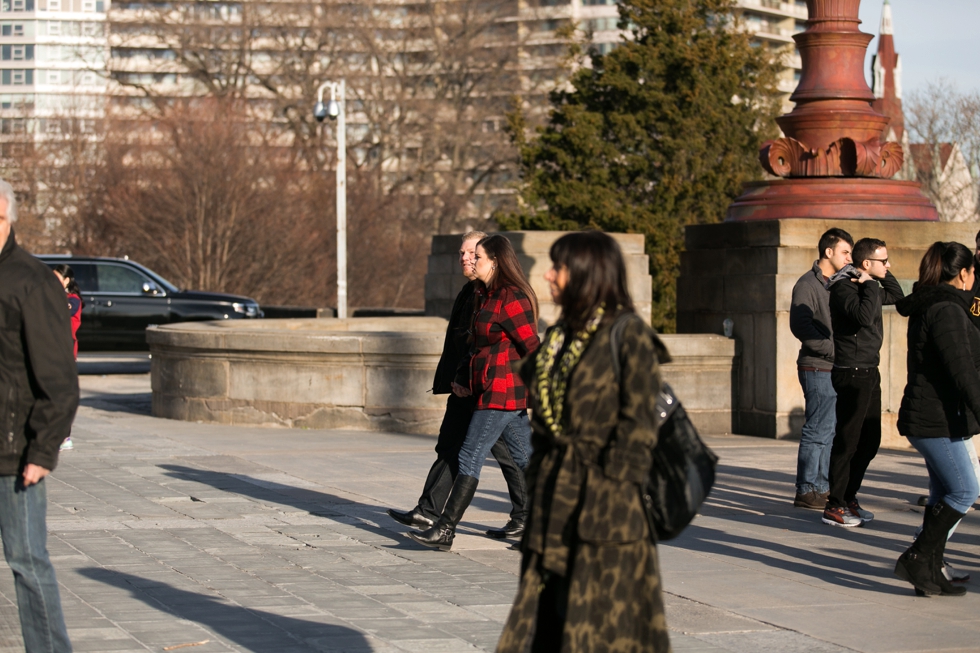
(551, 374)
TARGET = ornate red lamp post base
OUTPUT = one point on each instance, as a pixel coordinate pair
(832, 157)
(832, 198)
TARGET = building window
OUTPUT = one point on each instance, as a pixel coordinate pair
(54, 5)
(88, 78)
(54, 28)
(13, 126)
(88, 5)
(17, 5)
(16, 77)
(54, 77)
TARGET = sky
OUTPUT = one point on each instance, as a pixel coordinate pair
(935, 38)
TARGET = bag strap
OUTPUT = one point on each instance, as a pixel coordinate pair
(667, 401)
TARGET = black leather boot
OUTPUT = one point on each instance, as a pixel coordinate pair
(921, 564)
(413, 518)
(513, 528)
(945, 518)
(438, 483)
(516, 488)
(442, 534)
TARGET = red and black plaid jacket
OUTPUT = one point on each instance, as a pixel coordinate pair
(504, 332)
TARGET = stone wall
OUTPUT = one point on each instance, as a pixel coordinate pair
(361, 373)
(444, 278)
(746, 271)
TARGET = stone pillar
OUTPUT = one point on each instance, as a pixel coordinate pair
(444, 279)
(745, 271)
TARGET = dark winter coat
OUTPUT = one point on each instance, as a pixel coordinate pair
(586, 522)
(855, 313)
(38, 378)
(504, 332)
(809, 320)
(456, 346)
(942, 395)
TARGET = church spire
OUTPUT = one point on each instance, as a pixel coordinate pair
(886, 73)
(886, 19)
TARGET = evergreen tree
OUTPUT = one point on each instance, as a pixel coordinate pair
(659, 133)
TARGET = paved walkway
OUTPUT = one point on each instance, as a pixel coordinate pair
(254, 539)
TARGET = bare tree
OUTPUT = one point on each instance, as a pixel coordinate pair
(944, 125)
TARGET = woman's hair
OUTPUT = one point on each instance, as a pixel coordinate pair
(943, 262)
(508, 269)
(65, 270)
(596, 276)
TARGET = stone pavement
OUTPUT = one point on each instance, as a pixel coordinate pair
(169, 533)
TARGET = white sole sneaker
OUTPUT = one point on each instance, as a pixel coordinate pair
(849, 522)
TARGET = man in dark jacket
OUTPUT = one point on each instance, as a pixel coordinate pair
(809, 320)
(38, 398)
(857, 294)
(456, 421)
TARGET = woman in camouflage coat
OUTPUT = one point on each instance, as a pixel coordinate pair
(590, 578)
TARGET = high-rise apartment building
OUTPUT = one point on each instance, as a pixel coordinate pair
(52, 68)
(772, 24)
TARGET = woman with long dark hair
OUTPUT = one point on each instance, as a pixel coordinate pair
(504, 331)
(590, 580)
(940, 409)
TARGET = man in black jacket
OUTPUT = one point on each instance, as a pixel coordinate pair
(456, 421)
(38, 398)
(857, 294)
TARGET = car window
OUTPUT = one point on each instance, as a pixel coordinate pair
(119, 279)
(86, 277)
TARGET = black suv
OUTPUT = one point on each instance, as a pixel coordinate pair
(122, 298)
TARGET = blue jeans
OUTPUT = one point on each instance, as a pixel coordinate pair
(488, 426)
(951, 475)
(817, 438)
(24, 534)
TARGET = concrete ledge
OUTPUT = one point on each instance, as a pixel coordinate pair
(363, 373)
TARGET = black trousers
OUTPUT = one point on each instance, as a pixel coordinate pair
(443, 472)
(858, 434)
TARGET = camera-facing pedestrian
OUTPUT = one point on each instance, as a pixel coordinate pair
(38, 398)
(940, 408)
(590, 574)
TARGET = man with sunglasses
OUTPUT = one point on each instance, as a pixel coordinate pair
(857, 293)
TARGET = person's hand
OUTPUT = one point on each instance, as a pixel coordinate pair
(863, 278)
(460, 391)
(34, 473)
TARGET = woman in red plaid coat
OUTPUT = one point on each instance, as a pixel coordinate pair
(504, 331)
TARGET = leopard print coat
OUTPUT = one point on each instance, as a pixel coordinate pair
(590, 575)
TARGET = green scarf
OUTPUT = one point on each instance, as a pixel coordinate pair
(551, 374)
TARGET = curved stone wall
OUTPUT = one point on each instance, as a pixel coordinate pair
(360, 373)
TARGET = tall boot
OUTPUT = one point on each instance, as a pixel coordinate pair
(516, 487)
(434, 493)
(442, 534)
(919, 564)
(946, 518)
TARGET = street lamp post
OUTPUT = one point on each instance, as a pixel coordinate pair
(336, 109)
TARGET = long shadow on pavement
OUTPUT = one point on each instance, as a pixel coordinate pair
(309, 500)
(836, 568)
(253, 630)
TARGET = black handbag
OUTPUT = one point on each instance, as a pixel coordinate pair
(683, 468)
